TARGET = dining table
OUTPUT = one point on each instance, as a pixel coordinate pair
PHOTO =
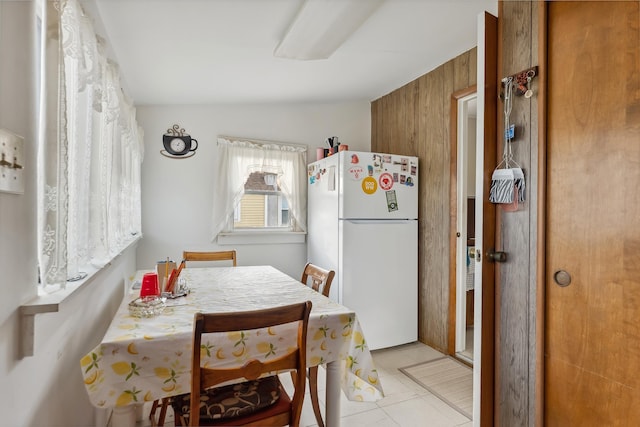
(142, 359)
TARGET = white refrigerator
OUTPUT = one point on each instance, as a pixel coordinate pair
(363, 223)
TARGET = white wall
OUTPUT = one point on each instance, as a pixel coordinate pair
(17, 217)
(47, 388)
(177, 195)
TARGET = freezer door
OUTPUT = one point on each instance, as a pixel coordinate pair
(378, 186)
(378, 273)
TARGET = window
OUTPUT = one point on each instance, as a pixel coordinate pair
(261, 187)
(89, 151)
(263, 204)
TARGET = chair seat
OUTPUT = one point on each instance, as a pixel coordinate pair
(234, 404)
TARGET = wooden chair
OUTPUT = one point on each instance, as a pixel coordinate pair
(320, 281)
(284, 411)
(189, 256)
(210, 256)
(320, 278)
(163, 405)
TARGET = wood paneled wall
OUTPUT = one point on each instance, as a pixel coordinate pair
(414, 120)
(517, 231)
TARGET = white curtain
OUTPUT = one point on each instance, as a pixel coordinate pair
(237, 158)
(89, 154)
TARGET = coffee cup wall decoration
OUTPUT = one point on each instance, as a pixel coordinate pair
(178, 144)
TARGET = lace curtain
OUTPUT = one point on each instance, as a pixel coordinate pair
(238, 158)
(89, 155)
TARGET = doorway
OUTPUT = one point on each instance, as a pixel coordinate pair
(466, 126)
(484, 224)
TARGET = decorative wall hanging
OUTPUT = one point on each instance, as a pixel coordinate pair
(178, 144)
(508, 182)
(521, 81)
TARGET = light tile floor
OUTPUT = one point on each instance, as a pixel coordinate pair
(406, 404)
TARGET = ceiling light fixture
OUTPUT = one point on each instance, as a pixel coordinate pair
(321, 26)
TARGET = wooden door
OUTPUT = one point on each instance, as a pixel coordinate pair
(592, 330)
(485, 221)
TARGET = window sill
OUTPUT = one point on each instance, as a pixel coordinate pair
(261, 237)
(51, 303)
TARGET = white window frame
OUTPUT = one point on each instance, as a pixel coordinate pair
(263, 156)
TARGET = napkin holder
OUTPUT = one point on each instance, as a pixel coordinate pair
(164, 269)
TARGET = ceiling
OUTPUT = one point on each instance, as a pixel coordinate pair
(221, 51)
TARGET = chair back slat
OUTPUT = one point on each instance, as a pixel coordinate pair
(318, 278)
(210, 256)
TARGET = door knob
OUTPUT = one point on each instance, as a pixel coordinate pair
(496, 256)
(562, 278)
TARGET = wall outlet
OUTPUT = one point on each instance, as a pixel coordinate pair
(11, 162)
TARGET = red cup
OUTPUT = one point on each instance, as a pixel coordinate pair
(149, 286)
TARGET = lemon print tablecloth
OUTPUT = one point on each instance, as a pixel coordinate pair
(143, 359)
